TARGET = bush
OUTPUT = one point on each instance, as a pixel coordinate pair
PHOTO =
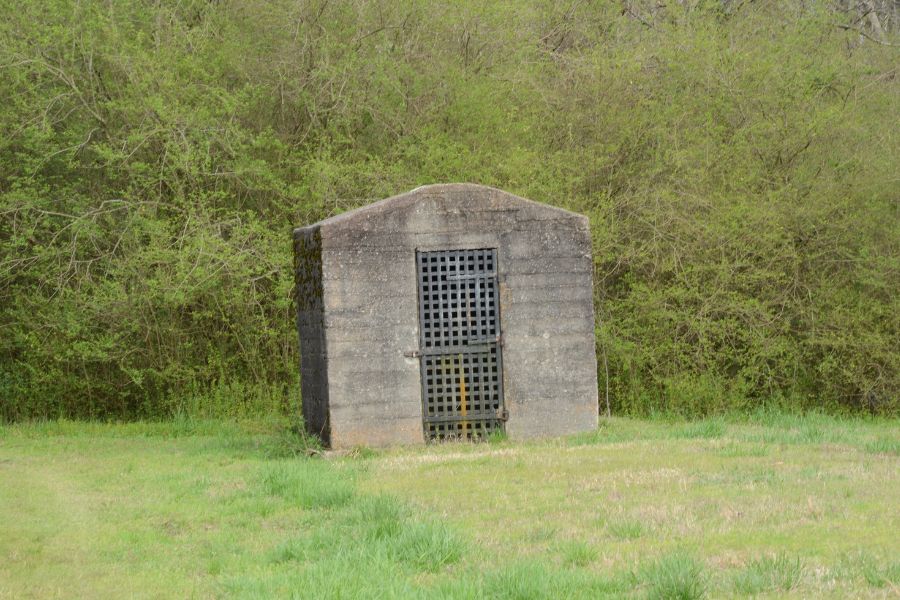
(735, 160)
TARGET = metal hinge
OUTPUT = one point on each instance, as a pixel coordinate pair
(412, 354)
(503, 415)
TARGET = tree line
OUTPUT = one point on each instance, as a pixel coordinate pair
(738, 161)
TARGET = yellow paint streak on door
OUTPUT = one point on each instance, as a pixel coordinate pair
(463, 408)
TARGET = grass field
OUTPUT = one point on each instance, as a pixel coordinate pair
(768, 506)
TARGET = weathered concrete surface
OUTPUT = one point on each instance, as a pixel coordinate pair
(364, 314)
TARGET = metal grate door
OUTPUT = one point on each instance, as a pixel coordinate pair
(460, 344)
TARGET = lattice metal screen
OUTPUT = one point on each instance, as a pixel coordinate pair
(459, 317)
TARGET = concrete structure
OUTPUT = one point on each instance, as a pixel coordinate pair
(449, 311)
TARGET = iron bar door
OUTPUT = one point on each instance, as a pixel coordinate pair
(460, 343)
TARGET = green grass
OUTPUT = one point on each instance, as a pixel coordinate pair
(309, 484)
(625, 529)
(769, 573)
(576, 553)
(773, 505)
(674, 577)
(884, 445)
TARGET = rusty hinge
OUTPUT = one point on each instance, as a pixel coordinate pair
(500, 340)
(503, 415)
(412, 354)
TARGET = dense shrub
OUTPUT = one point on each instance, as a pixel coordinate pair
(738, 161)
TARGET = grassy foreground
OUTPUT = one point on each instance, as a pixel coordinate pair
(774, 506)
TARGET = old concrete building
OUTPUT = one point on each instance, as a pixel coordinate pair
(450, 311)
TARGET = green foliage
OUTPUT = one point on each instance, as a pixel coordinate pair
(622, 528)
(674, 577)
(886, 574)
(532, 580)
(308, 483)
(378, 529)
(497, 436)
(884, 445)
(576, 553)
(428, 546)
(770, 573)
(737, 162)
(705, 429)
(292, 441)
